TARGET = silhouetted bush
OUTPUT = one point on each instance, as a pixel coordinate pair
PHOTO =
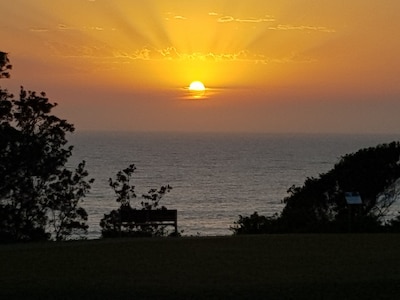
(320, 205)
(113, 224)
(256, 224)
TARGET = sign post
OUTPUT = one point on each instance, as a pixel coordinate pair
(353, 199)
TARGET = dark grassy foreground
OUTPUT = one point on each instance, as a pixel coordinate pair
(247, 267)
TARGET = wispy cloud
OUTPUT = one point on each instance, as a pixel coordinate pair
(179, 18)
(173, 54)
(39, 29)
(226, 19)
(302, 28)
(97, 28)
(269, 19)
(64, 27)
(63, 49)
(173, 16)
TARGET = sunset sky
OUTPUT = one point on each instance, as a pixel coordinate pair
(268, 66)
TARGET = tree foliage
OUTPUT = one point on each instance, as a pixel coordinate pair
(5, 65)
(320, 204)
(256, 224)
(39, 196)
(111, 223)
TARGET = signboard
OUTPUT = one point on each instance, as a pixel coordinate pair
(353, 198)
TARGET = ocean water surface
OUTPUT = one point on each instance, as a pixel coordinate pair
(215, 177)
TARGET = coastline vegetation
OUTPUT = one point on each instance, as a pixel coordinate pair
(356, 195)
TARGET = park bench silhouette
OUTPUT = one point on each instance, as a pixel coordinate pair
(150, 217)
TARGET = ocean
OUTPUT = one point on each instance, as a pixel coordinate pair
(215, 176)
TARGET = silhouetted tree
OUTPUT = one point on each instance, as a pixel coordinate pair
(5, 65)
(39, 196)
(66, 216)
(256, 224)
(320, 204)
(111, 223)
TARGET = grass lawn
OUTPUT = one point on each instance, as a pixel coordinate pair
(242, 267)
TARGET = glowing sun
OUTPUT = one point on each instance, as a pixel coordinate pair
(197, 86)
(197, 89)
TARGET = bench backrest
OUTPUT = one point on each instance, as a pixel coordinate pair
(144, 216)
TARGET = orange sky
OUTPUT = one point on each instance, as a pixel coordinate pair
(269, 66)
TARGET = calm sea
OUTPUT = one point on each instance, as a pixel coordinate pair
(215, 177)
